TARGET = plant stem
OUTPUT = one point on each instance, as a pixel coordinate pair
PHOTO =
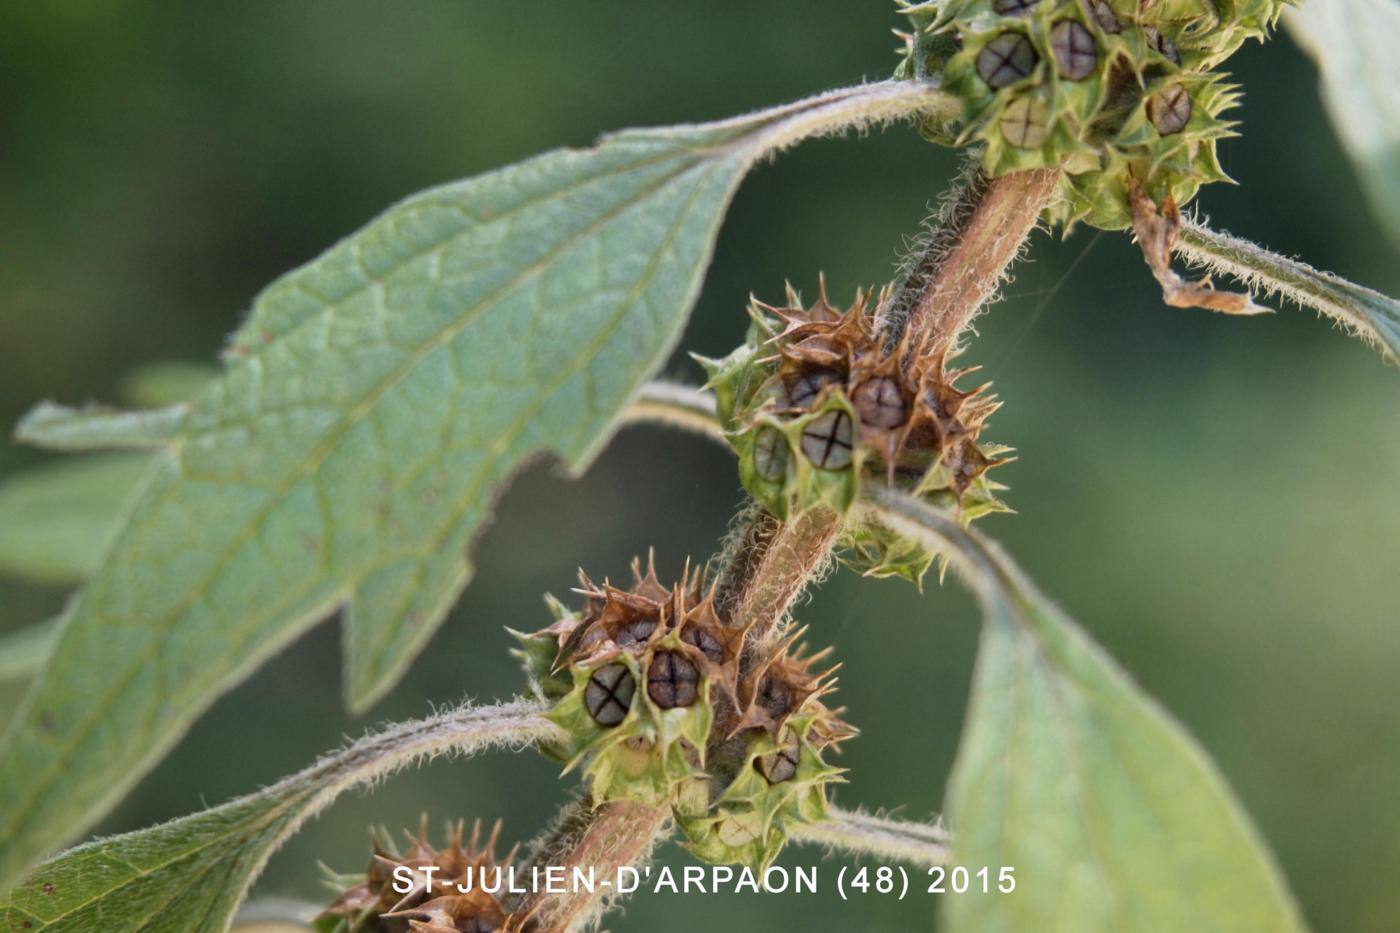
(770, 562)
(982, 231)
(769, 566)
(602, 839)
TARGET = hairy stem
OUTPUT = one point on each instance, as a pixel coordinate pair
(1362, 311)
(603, 839)
(982, 231)
(769, 563)
(920, 844)
(679, 406)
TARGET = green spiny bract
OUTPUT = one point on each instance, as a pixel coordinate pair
(815, 402)
(775, 748)
(633, 679)
(1108, 89)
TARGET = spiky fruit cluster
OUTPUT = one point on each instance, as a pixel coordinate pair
(647, 684)
(1109, 89)
(816, 402)
(453, 902)
(774, 774)
(633, 679)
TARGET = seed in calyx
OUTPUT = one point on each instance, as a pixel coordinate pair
(1162, 44)
(672, 680)
(781, 765)
(707, 643)
(803, 390)
(827, 440)
(1076, 56)
(879, 402)
(1170, 110)
(1104, 16)
(1025, 123)
(1008, 58)
(636, 632)
(608, 696)
(1015, 7)
(770, 454)
(775, 697)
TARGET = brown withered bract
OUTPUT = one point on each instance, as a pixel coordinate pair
(373, 906)
(788, 684)
(912, 413)
(633, 620)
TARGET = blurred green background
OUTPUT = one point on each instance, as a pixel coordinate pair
(1214, 499)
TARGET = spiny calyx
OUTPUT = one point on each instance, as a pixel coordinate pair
(818, 401)
(1110, 90)
(633, 679)
(451, 899)
(770, 771)
(660, 705)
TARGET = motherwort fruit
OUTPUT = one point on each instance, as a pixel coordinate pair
(660, 704)
(818, 401)
(633, 680)
(424, 889)
(1110, 90)
(769, 770)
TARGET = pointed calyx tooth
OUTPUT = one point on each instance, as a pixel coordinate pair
(904, 405)
(451, 900)
(785, 685)
(636, 621)
(1097, 89)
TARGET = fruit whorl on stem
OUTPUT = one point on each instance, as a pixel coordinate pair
(816, 402)
(454, 902)
(1110, 90)
(634, 678)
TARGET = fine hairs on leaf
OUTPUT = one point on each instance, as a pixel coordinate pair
(1362, 312)
(1068, 772)
(921, 845)
(190, 874)
(58, 427)
(371, 407)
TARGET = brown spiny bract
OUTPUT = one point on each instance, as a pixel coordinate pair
(819, 400)
(777, 736)
(634, 679)
(454, 901)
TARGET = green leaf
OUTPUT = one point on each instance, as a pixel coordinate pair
(1364, 312)
(23, 651)
(56, 519)
(58, 427)
(190, 874)
(1112, 817)
(1354, 43)
(658, 402)
(371, 408)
